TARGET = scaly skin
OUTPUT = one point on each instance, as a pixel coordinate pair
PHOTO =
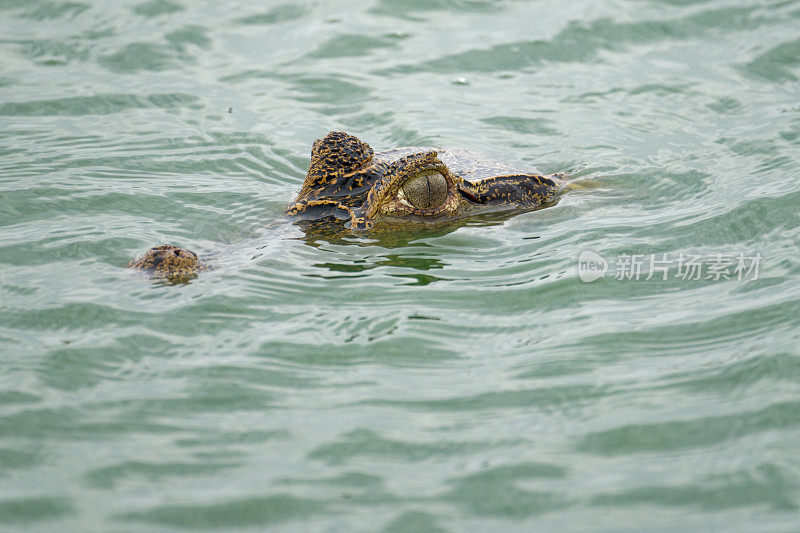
(346, 180)
(169, 262)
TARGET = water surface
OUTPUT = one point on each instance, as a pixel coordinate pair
(458, 380)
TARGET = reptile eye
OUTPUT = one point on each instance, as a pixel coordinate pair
(426, 190)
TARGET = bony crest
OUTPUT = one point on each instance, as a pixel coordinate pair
(335, 155)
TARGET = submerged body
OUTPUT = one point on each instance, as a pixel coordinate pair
(349, 182)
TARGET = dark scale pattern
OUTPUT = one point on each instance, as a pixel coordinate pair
(169, 262)
(391, 181)
(408, 165)
(347, 181)
(332, 157)
(525, 191)
(315, 209)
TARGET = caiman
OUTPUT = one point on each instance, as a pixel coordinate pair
(349, 183)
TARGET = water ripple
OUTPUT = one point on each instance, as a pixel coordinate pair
(458, 378)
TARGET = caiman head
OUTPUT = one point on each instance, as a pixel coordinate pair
(346, 181)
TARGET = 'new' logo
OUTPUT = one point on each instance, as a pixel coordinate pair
(591, 266)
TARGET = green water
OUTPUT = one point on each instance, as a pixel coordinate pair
(456, 380)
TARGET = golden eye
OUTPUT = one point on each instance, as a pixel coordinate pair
(426, 190)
